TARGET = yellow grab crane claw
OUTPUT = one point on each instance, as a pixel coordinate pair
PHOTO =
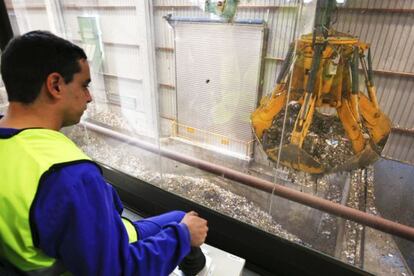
(323, 72)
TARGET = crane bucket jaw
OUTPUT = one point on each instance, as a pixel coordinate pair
(306, 139)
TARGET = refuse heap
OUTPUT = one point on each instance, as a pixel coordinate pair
(326, 140)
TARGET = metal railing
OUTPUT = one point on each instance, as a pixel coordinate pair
(212, 140)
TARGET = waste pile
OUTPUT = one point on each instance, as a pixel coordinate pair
(326, 140)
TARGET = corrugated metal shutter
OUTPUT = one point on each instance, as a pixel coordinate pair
(388, 27)
(218, 68)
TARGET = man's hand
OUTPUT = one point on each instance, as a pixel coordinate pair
(197, 227)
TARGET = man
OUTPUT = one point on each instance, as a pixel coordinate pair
(57, 213)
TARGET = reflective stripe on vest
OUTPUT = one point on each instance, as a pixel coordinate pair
(24, 158)
(130, 228)
(57, 269)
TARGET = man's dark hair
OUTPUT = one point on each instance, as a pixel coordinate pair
(28, 60)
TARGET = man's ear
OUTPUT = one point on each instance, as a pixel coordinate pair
(54, 82)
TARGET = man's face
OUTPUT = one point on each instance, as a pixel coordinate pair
(77, 95)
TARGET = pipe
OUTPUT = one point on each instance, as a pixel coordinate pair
(375, 222)
(241, 6)
(409, 131)
(173, 19)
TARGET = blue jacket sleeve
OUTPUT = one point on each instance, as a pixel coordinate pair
(77, 220)
(151, 226)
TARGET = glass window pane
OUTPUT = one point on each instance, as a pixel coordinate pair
(184, 86)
